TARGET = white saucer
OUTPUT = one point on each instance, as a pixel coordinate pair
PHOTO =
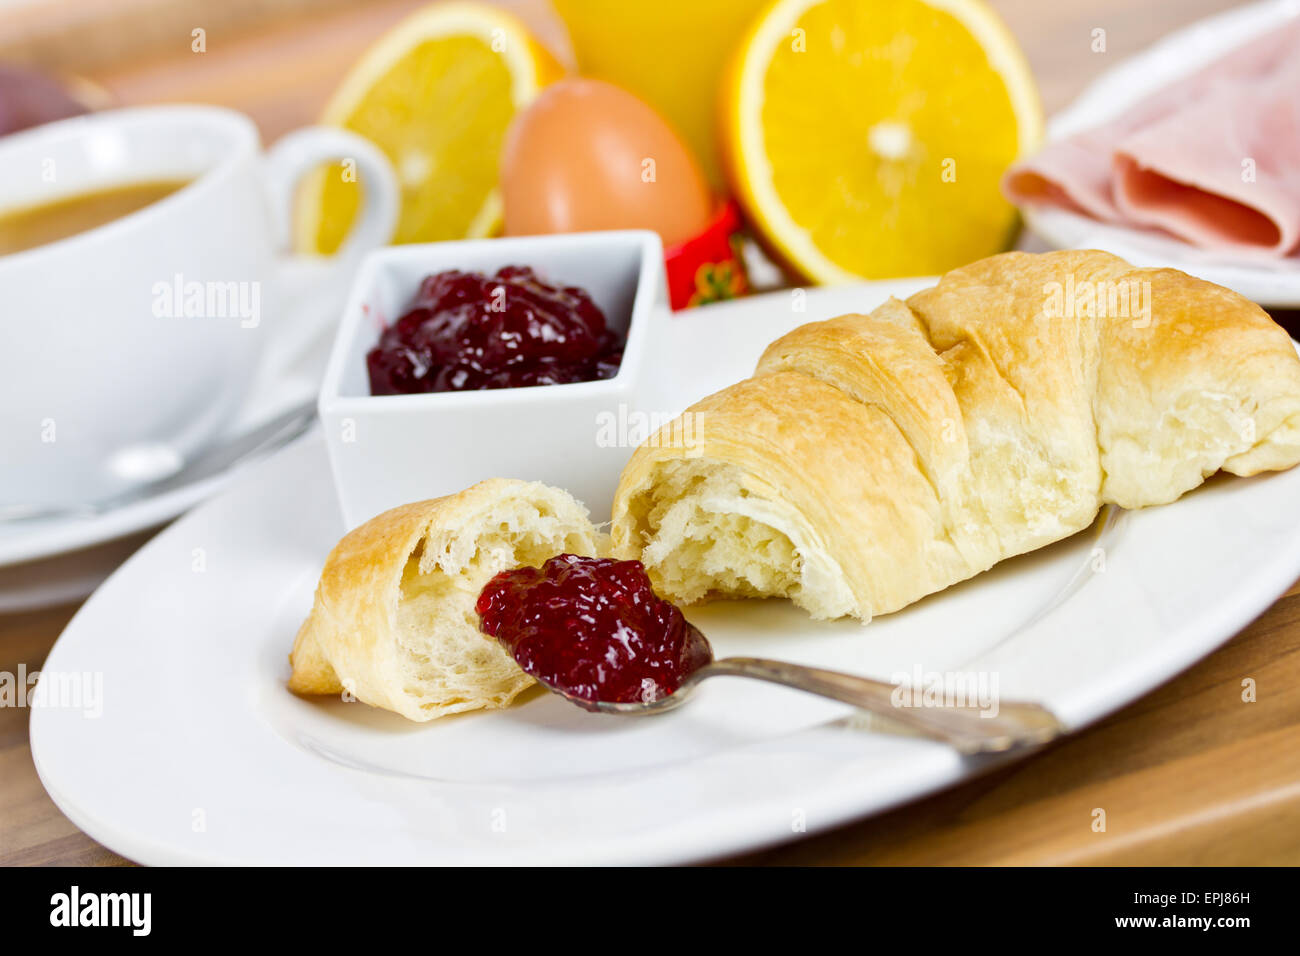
(202, 756)
(55, 560)
(1270, 282)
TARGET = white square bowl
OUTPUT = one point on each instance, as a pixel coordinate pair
(387, 450)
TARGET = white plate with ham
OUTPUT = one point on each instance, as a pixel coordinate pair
(1187, 155)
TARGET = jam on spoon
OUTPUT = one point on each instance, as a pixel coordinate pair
(592, 629)
(466, 331)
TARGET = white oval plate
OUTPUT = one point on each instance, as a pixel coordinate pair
(200, 755)
(1272, 282)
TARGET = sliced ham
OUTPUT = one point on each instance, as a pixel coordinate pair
(1213, 158)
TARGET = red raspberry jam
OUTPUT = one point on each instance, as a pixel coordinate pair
(593, 629)
(466, 331)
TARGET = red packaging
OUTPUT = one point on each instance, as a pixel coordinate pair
(708, 267)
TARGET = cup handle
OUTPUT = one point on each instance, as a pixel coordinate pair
(305, 284)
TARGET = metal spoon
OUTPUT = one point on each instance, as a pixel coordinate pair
(968, 729)
(214, 460)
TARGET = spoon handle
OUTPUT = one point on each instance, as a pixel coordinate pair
(272, 434)
(969, 728)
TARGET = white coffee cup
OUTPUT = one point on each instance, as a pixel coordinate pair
(126, 347)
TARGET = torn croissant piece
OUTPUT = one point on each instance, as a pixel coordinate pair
(872, 460)
(393, 621)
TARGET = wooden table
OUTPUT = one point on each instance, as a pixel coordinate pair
(1189, 774)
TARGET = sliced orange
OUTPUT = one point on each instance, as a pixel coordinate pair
(436, 94)
(867, 138)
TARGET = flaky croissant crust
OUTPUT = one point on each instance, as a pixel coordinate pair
(393, 621)
(874, 459)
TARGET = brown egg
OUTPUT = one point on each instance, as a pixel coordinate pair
(587, 155)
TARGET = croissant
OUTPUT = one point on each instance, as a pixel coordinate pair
(872, 460)
(393, 622)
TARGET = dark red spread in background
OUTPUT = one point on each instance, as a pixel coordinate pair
(467, 331)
